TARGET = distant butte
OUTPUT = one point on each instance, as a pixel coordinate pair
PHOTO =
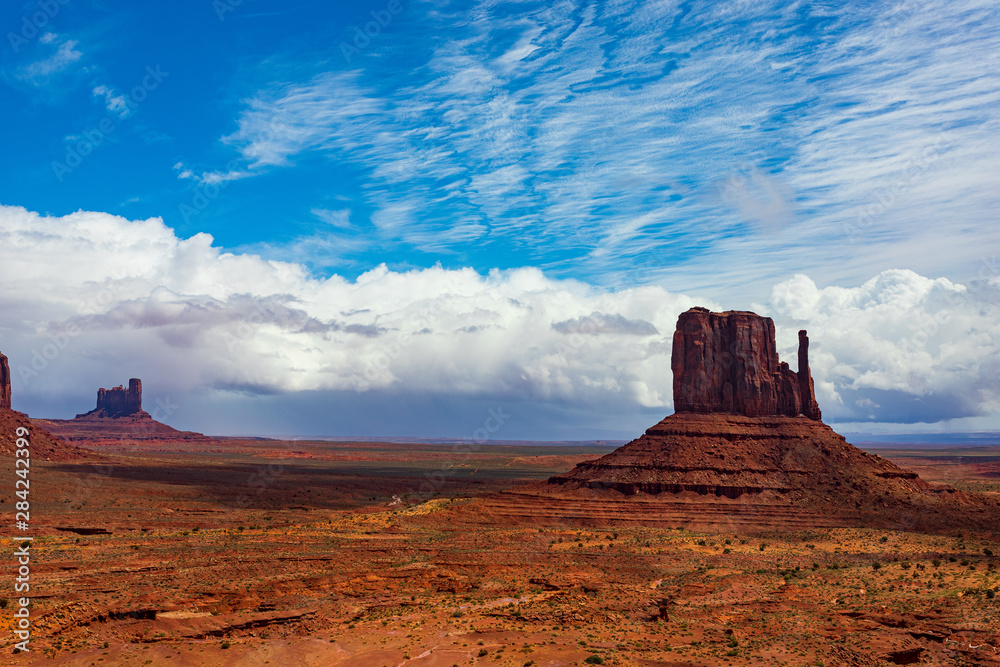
(118, 403)
(118, 417)
(746, 449)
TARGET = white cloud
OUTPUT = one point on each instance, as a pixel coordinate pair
(113, 100)
(198, 317)
(900, 347)
(183, 172)
(66, 54)
(609, 128)
(340, 218)
(324, 113)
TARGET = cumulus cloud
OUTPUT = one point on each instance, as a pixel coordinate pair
(603, 323)
(137, 298)
(92, 299)
(901, 347)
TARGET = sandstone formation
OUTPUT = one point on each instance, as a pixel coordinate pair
(728, 362)
(745, 447)
(118, 417)
(118, 402)
(4, 383)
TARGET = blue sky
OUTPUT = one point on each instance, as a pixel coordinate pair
(729, 154)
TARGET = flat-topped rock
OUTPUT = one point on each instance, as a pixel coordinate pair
(118, 402)
(118, 417)
(728, 362)
(747, 438)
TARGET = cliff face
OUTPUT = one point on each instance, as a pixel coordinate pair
(4, 383)
(728, 362)
(118, 402)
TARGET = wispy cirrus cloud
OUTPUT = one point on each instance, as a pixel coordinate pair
(749, 136)
(39, 71)
(113, 100)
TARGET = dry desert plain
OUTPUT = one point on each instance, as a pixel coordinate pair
(263, 552)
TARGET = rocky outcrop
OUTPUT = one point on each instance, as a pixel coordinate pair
(807, 392)
(118, 417)
(728, 362)
(745, 448)
(118, 402)
(4, 383)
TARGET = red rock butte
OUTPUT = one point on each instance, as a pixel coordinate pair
(728, 362)
(118, 417)
(118, 402)
(745, 450)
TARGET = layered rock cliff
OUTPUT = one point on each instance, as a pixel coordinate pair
(728, 362)
(118, 402)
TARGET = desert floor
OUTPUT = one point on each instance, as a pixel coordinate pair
(262, 552)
